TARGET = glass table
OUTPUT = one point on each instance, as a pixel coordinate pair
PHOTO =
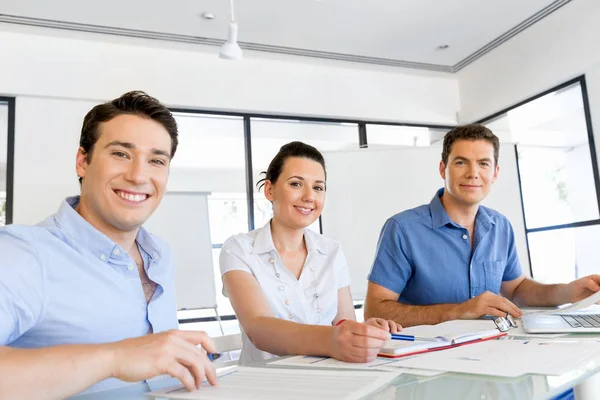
(444, 386)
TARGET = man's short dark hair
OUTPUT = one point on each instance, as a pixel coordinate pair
(133, 103)
(470, 132)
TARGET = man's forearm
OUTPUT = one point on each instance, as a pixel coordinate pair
(530, 293)
(409, 315)
(52, 372)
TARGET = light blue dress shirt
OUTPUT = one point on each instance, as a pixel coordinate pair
(427, 259)
(64, 282)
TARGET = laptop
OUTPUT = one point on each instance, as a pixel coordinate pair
(570, 319)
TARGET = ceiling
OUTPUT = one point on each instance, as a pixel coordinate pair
(403, 33)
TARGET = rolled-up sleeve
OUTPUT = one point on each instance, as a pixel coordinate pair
(21, 287)
(391, 267)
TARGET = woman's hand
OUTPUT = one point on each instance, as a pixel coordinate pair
(385, 324)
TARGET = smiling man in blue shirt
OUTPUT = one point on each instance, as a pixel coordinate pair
(453, 258)
(86, 296)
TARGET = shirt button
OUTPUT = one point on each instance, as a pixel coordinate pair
(281, 288)
(287, 302)
(312, 269)
(465, 237)
(102, 257)
(116, 252)
(290, 316)
(130, 267)
(272, 260)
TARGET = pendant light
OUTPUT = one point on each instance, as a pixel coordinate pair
(231, 49)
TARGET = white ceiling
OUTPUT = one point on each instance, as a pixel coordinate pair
(390, 32)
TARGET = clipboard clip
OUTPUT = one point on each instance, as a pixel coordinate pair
(505, 323)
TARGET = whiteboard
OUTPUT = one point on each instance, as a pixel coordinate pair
(182, 220)
(366, 187)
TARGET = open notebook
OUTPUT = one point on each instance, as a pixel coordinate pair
(447, 335)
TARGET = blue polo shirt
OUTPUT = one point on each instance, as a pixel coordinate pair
(64, 282)
(427, 259)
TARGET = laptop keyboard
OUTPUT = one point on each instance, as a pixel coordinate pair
(583, 321)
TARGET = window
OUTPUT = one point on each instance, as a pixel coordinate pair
(211, 159)
(557, 176)
(383, 136)
(268, 135)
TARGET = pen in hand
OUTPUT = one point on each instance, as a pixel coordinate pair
(412, 338)
(214, 356)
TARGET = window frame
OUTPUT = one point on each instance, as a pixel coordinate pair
(592, 146)
(10, 157)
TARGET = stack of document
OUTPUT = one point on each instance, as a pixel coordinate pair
(441, 336)
(243, 383)
(510, 358)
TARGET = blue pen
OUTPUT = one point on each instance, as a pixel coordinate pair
(396, 336)
(214, 356)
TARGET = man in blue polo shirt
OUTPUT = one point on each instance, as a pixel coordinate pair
(453, 258)
(87, 296)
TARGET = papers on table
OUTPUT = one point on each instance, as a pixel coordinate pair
(379, 364)
(326, 362)
(510, 358)
(244, 383)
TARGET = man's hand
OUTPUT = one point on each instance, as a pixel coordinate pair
(173, 352)
(581, 288)
(385, 324)
(486, 303)
(353, 341)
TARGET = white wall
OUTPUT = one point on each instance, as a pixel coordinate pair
(560, 47)
(79, 68)
(46, 142)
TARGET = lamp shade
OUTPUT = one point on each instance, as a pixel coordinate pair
(231, 49)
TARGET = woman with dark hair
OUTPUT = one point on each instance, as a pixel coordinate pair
(290, 286)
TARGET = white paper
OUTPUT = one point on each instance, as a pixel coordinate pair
(398, 347)
(245, 383)
(452, 329)
(586, 305)
(379, 364)
(509, 358)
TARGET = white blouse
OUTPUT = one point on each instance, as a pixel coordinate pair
(311, 299)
